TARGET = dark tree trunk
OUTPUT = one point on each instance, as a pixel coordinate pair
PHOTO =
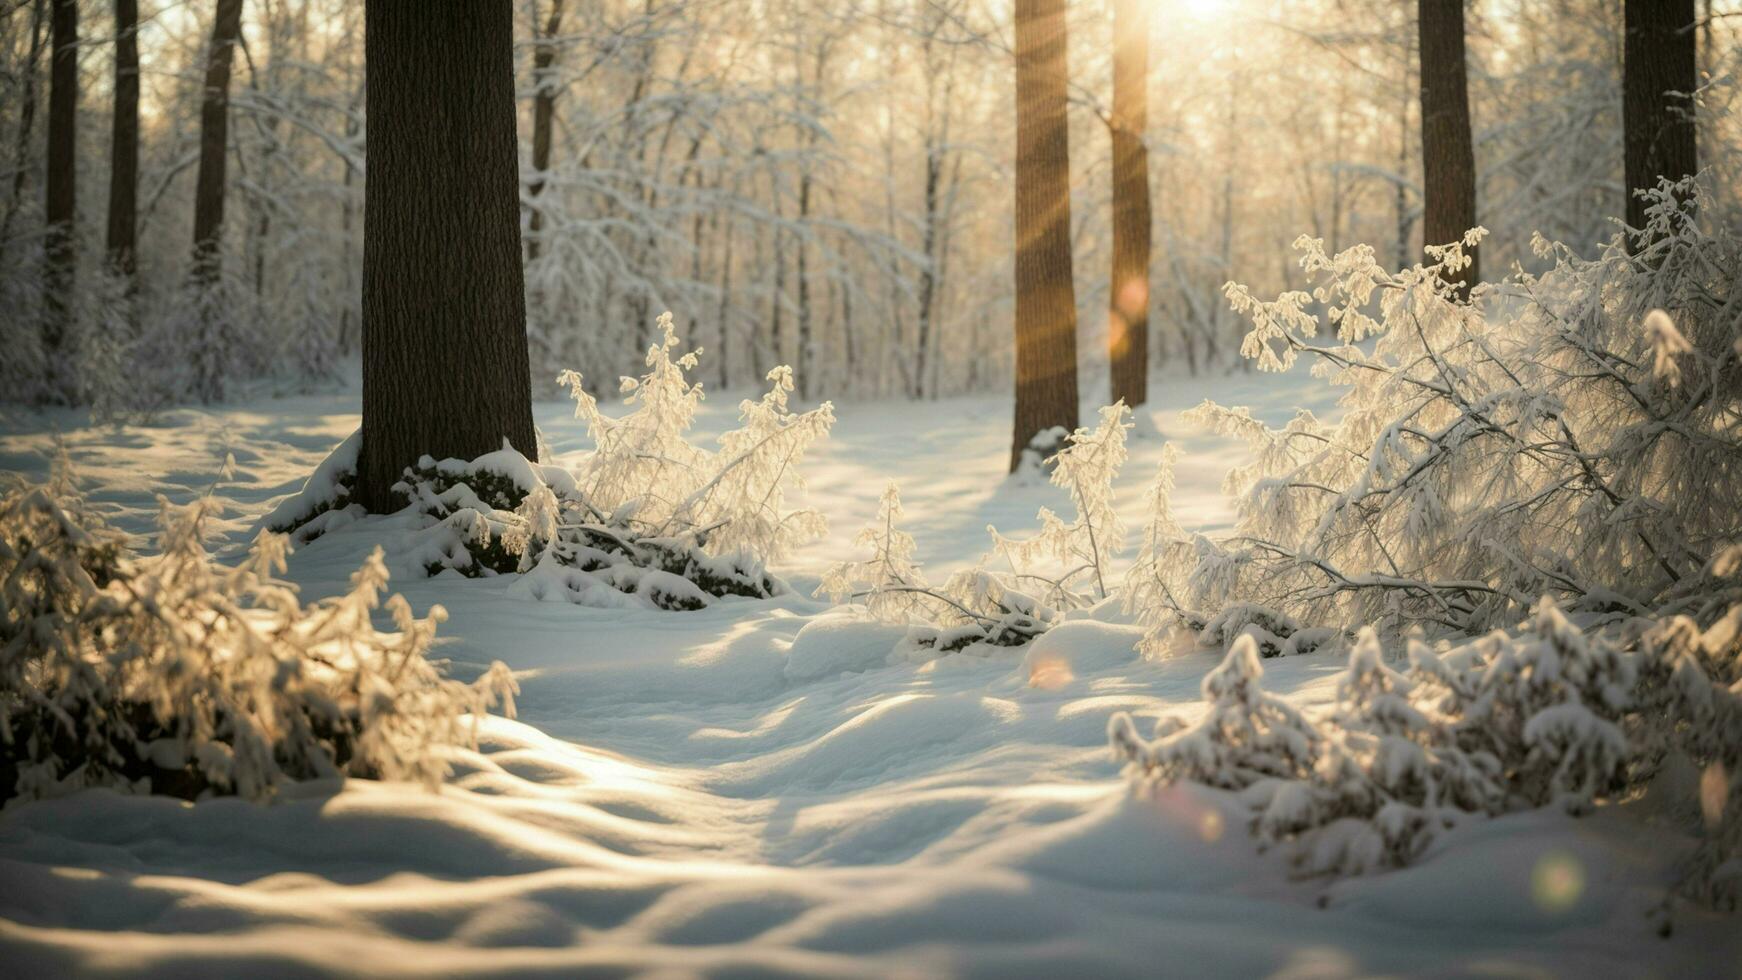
(60, 243)
(214, 143)
(444, 313)
(124, 144)
(26, 121)
(543, 116)
(1128, 292)
(802, 279)
(934, 171)
(1657, 81)
(1448, 158)
(1046, 306)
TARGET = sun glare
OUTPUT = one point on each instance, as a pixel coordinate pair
(1202, 9)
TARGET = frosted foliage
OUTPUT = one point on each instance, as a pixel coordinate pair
(644, 460)
(1149, 585)
(176, 675)
(890, 582)
(645, 519)
(1080, 551)
(732, 502)
(1556, 435)
(1246, 737)
(1503, 723)
(1691, 706)
(1063, 567)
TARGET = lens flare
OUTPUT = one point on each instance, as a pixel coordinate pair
(1714, 788)
(1049, 672)
(1557, 881)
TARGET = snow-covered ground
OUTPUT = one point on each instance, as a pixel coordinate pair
(755, 789)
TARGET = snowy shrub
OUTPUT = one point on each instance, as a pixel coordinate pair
(1247, 737)
(975, 608)
(1502, 723)
(170, 674)
(647, 518)
(1082, 550)
(1690, 695)
(1559, 435)
(646, 474)
(323, 503)
(1063, 567)
(1148, 590)
(890, 583)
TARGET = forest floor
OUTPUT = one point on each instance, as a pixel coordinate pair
(756, 789)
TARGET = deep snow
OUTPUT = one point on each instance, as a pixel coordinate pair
(757, 788)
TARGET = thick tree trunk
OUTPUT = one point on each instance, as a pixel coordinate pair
(124, 144)
(214, 143)
(1448, 158)
(1046, 306)
(444, 315)
(1658, 80)
(1128, 292)
(60, 244)
(543, 116)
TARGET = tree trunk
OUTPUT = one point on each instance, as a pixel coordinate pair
(1128, 292)
(934, 171)
(1657, 81)
(1448, 159)
(124, 145)
(214, 143)
(26, 121)
(60, 243)
(1046, 306)
(445, 367)
(543, 114)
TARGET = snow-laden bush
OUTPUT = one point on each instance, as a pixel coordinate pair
(1554, 447)
(171, 674)
(1063, 567)
(646, 474)
(1690, 705)
(1559, 435)
(647, 518)
(1549, 715)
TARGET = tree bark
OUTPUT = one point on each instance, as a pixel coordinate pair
(1128, 292)
(543, 116)
(445, 367)
(26, 121)
(1046, 306)
(1658, 78)
(60, 243)
(214, 143)
(124, 144)
(1448, 158)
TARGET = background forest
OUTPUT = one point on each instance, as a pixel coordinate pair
(824, 184)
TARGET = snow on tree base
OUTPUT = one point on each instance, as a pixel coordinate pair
(646, 519)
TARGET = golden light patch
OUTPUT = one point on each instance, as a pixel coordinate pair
(1714, 790)
(1049, 672)
(1557, 881)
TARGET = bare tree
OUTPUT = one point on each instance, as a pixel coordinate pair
(444, 315)
(1658, 80)
(543, 114)
(26, 120)
(60, 246)
(1046, 305)
(124, 144)
(1448, 158)
(1128, 292)
(214, 143)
